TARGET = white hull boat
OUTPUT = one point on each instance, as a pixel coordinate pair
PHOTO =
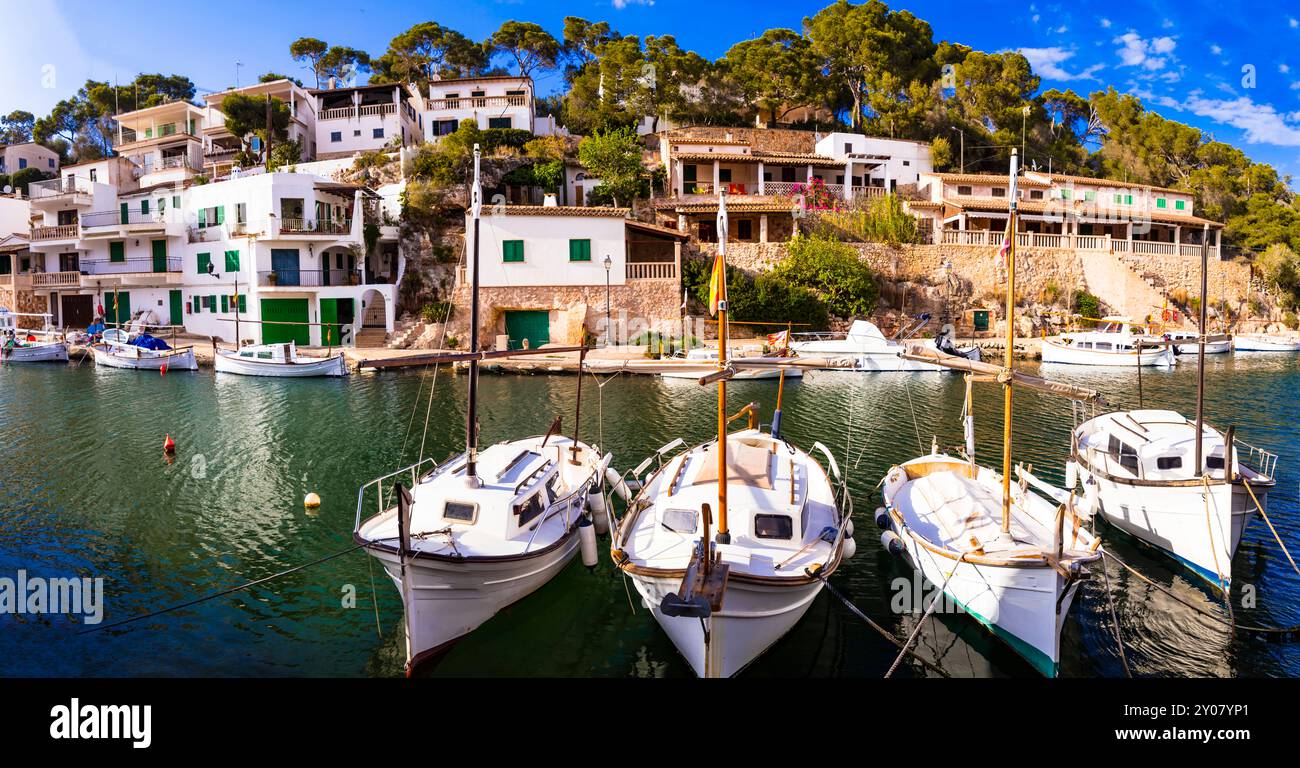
(788, 520)
(1186, 344)
(278, 360)
(945, 515)
(138, 358)
(869, 349)
(35, 352)
(475, 550)
(24, 345)
(1260, 342)
(1071, 349)
(1137, 469)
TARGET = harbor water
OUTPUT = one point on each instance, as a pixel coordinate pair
(85, 490)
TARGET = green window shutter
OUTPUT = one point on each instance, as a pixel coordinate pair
(212, 303)
(144, 207)
(1065, 194)
(579, 250)
(243, 307)
(205, 261)
(148, 132)
(198, 305)
(126, 214)
(117, 251)
(512, 250)
(225, 303)
(1119, 198)
(1161, 203)
(221, 214)
(203, 217)
(1181, 205)
(1128, 199)
(232, 261)
(176, 201)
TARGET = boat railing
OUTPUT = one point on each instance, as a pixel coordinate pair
(563, 504)
(1257, 459)
(378, 484)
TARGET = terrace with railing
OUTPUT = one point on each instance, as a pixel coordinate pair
(59, 232)
(52, 188)
(364, 110)
(478, 102)
(118, 218)
(992, 238)
(306, 278)
(315, 226)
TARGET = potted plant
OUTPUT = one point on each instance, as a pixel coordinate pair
(271, 277)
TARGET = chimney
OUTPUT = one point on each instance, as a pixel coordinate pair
(331, 84)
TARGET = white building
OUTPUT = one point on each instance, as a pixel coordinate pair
(17, 157)
(165, 142)
(900, 161)
(363, 119)
(286, 249)
(492, 102)
(220, 146)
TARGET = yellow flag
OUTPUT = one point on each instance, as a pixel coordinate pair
(717, 284)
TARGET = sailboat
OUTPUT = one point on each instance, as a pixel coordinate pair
(463, 539)
(1174, 483)
(275, 360)
(781, 524)
(1011, 558)
(24, 345)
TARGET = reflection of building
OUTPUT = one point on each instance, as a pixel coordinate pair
(543, 272)
(221, 146)
(1060, 211)
(362, 119)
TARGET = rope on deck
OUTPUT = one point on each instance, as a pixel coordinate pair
(222, 593)
(883, 632)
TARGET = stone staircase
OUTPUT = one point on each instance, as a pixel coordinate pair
(370, 338)
(1116, 281)
(406, 332)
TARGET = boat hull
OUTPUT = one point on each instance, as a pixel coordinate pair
(1174, 519)
(446, 599)
(176, 360)
(226, 362)
(742, 375)
(752, 619)
(1066, 355)
(41, 353)
(1212, 348)
(1263, 344)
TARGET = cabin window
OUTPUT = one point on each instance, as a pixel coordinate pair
(1104, 345)
(681, 520)
(1214, 462)
(530, 509)
(264, 354)
(460, 511)
(773, 526)
(1169, 462)
(1124, 453)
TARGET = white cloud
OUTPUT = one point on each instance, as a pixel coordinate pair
(1134, 51)
(1283, 68)
(1047, 62)
(1061, 30)
(1167, 24)
(1105, 23)
(621, 4)
(1293, 22)
(1035, 18)
(1261, 123)
(1216, 50)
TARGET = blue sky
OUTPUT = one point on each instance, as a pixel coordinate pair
(1232, 69)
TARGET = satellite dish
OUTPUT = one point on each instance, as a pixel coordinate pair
(9, 189)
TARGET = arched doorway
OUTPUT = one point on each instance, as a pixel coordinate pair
(375, 314)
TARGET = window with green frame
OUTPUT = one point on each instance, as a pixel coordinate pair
(205, 263)
(580, 250)
(1089, 195)
(512, 250)
(117, 250)
(176, 201)
(144, 207)
(225, 303)
(1065, 194)
(198, 304)
(232, 261)
(1180, 205)
(1161, 202)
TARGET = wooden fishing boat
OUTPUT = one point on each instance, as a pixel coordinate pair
(1117, 343)
(1263, 342)
(116, 351)
(24, 345)
(465, 539)
(782, 526)
(1008, 557)
(278, 360)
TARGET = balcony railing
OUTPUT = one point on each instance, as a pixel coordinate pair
(129, 136)
(315, 226)
(116, 219)
(132, 266)
(1074, 242)
(308, 278)
(39, 190)
(365, 110)
(478, 102)
(651, 270)
(56, 279)
(61, 232)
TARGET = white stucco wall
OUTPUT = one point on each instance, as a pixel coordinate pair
(546, 249)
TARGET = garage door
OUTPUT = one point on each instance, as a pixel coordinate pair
(535, 326)
(293, 312)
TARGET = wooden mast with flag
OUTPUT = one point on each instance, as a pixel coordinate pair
(1008, 251)
(718, 306)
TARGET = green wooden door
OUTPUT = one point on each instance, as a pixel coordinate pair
(535, 326)
(159, 255)
(275, 311)
(331, 333)
(117, 308)
(177, 310)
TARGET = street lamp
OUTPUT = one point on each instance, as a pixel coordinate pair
(609, 329)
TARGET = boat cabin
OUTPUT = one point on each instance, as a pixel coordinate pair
(1153, 445)
(528, 481)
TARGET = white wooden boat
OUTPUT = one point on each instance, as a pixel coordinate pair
(1139, 473)
(1186, 343)
(946, 512)
(707, 359)
(24, 345)
(485, 529)
(1263, 342)
(1114, 344)
(115, 351)
(786, 519)
(871, 350)
(473, 548)
(278, 360)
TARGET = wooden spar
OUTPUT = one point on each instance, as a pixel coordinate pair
(462, 357)
(1200, 362)
(471, 416)
(577, 411)
(724, 535)
(1068, 391)
(1009, 360)
(780, 386)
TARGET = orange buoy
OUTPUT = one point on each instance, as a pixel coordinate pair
(163, 370)
(169, 445)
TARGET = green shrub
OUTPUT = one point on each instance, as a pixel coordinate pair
(832, 270)
(1086, 305)
(437, 311)
(880, 220)
(1290, 320)
(1280, 268)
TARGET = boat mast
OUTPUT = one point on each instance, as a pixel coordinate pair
(780, 385)
(1008, 365)
(471, 419)
(1200, 362)
(724, 535)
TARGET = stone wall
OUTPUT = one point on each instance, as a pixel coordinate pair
(761, 139)
(25, 302)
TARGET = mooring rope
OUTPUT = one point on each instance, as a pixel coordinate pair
(930, 609)
(1293, 631)
(883, 632)
(1114, 620)
(223, 592)
(1264, 514)
(1209, 530)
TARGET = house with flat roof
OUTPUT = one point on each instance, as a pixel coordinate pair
(28, 154)
(165, 142)
(221, 147)
(363, 118)
(504, 101)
